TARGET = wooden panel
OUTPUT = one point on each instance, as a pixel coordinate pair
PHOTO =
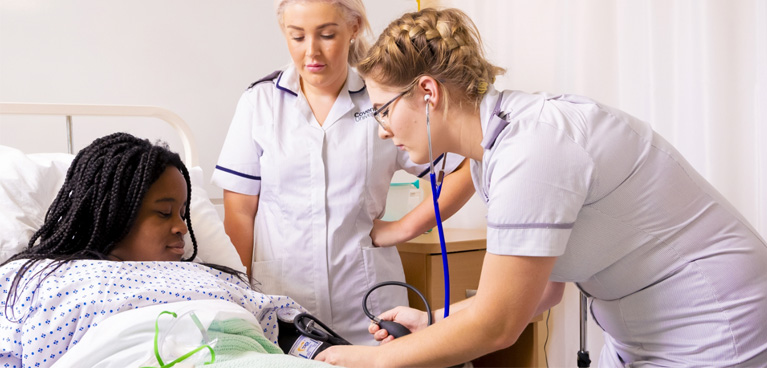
(415, 275)
(457, 240)
(464, 267)
(422, 260)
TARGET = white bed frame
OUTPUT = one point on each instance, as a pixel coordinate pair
(70, 110)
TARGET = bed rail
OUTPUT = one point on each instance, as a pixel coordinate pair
(70, 110)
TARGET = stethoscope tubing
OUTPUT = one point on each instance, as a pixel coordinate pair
(435, 192)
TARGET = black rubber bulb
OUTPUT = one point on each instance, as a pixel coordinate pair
(393, 328)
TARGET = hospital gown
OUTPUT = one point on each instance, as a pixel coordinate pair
(47, 321)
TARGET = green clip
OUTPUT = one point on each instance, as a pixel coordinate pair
(183, 357)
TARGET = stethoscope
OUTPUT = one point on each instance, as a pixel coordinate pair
(436, 188)
(394, 328)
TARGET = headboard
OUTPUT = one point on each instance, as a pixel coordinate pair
(30, 181)
(68, 111)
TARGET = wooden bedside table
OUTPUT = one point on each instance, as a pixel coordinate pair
(422, 261)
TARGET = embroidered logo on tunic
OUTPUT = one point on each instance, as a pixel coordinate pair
(362, 115)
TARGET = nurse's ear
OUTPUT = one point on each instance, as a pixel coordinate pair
(428, 86)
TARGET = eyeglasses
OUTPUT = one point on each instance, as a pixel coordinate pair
(382, 114)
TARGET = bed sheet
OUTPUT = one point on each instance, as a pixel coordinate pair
(127, 340)
(48, 320)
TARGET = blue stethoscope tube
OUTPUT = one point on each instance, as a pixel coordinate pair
(436, 188)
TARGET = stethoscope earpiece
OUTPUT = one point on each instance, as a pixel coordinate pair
(436, 188)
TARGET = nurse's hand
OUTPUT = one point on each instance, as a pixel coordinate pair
(413, 319)
(388, 233)
(350, 356)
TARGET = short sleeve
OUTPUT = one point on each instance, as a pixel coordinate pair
(538, 179)
(422, 171)
(238, 168)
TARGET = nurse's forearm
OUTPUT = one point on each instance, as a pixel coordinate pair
(509, 290)
(439, 314)
(239, 218)
(552, 295)
(457, 189)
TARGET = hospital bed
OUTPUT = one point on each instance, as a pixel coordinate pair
(29, 181)
(25, 177)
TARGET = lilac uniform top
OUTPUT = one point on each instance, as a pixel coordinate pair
(675, 274)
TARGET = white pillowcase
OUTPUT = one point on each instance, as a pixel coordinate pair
(213, 245)
(30, 182)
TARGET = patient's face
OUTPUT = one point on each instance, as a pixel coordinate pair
(158, 231)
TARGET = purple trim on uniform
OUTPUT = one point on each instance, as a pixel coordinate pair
(282, 88)
(269, 77)
(497, 108)
(358, 91)
(494, 129)
(531, 226)
(435, 163)
(495, 126)
(246, 176)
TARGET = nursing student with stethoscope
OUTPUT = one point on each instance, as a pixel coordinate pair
(303, 164)
(576, 192)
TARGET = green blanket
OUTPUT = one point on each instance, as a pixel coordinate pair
(241, 344)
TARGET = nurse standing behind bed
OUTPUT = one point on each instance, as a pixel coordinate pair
(578, 192)
(302, 163)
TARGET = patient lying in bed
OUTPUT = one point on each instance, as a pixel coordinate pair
(46, 321)
(122, 210)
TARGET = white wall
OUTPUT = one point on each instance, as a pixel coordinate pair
(696, 70)
(194, 58)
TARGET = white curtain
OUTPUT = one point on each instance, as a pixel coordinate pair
(695, 69)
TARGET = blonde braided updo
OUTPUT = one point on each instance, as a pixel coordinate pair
(443, 44)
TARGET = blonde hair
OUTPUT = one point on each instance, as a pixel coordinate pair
(354, 11)
(443, 44)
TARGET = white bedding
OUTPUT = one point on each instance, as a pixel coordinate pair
(127, 340)
(48, 321)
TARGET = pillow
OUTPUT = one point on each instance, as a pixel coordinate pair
(28, 185)
(213, 245)
(30, 182)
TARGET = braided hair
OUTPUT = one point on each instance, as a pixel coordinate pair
(99, 202)
(444, 44)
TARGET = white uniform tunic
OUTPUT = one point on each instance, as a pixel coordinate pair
(677, 277)
(319, 187)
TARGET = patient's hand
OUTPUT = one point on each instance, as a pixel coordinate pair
(387, 233)
(411, 318)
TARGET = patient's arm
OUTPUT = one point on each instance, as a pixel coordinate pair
(457, 190)
(239, 218)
